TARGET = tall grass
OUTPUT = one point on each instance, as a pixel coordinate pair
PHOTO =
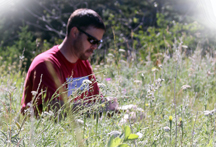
(145, 84)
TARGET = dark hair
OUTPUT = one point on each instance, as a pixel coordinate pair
(84, 18)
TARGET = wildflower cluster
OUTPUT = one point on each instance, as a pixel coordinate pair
(209, 112)
(153, 87)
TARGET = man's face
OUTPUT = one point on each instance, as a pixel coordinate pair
(85, 44)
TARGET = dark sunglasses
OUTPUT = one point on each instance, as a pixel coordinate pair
(92, 40)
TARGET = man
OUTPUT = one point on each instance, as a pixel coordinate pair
(63, 73)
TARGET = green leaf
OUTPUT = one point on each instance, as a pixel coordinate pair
(114, 142)
(135, 20)
(132, 136)
(123, 145)
(110, 143)
(127, 132)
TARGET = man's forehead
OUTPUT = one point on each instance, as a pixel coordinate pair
(92, 28)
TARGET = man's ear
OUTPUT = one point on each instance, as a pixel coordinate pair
(74, 32)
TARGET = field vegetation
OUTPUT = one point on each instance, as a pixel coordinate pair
(177, 96)
(156, 61)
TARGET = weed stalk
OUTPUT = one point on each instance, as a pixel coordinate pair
(193, 130)
(177, 51)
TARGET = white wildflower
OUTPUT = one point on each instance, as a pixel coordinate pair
(185, 87)
(29, 104)
(124, 119)
(184, 46)
(158, 80)
(79, 122)
(166, 129)
(154, 69)
(111, 55)
(121, 50)
(45, 113)
(133, 116)
(155, 4)
(160, 65)
(133, 113)
(209, 73)
(137, 81)
(110, 60)
(207, 112)
(128, 107)
(101, 85)
(140, 109)
(139, 134)
(21, 57)
(123, 61)
(33, 93)
(86, 81)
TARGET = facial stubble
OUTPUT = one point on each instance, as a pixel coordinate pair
(79, 50)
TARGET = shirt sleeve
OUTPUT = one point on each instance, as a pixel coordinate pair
(41, 85)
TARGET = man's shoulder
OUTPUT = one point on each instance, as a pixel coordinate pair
(43, 58)
(47, 54)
